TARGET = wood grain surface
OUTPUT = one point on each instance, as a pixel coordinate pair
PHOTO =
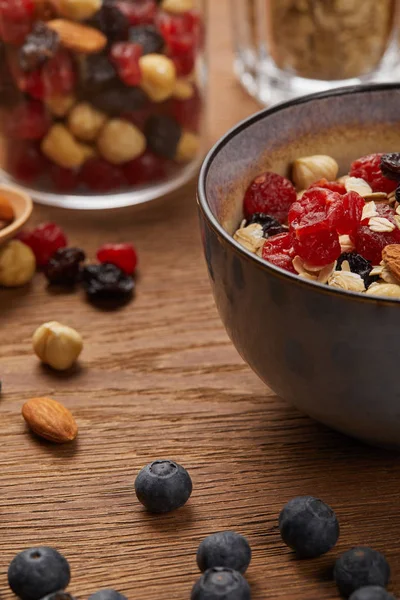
(160, 378)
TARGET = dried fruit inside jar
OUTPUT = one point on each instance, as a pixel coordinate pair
(100, 97)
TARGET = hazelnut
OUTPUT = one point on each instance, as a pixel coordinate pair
(120, 141)
(177, 6)
(17, 264)
(60, 105)
(183, 90)
(188, 147)
(158, 76)
(85, 122)
(78, 10)
(57, 345)
(60, 146)
(309, 169)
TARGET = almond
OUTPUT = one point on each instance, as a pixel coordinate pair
(391, 257)
(77, 37)
(50, 420)
(6, 209)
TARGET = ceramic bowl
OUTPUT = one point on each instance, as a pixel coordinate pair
(331, 353)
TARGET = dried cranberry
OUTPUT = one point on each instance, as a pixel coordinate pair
(101, 176)
(111, 21)
(63, 267)
(28, 121)
(370, 243)
(41, 44)
(350, 218)
(184, 64)
(125, 57)
(106, 282)
(279, 251)
(14, 32)
(358, 264)
(44, 240)
(140, 12)
(318, 209)
(147, 168)
(26, 162)
(318, 249)
(269, 193)
(369, 168)
(56, 78)
(163, 135)
(148, 38)
(269, 224)
(334, 186)
(64, 180)
(188, 113)
(390, 166)
(122, 255)
(17, 10)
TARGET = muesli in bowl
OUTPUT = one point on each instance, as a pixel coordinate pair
(340, 231)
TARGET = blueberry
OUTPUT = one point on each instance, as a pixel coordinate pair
(224, 549)
(108, 594)
(221, 583)
(37, 572)
(360, 567)
(371, 592)
(162, 486)
(60, 595)
(308, 526)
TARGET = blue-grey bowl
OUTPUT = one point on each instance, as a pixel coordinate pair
(333, 354)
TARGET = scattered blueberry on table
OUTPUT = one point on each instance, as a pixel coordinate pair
(221, 583)
(38, 572)
(163, 486)
(371, 592)
(224, 549)
(308, 526)
(107, 594)
(360, 567)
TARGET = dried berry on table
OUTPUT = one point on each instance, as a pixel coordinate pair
(163, 486)
(221, 582)
(308, 526)
(390, 165)
(64, 266)
(163, 135)
(360, 567)
(148, 38)
(224, 549)
(44, 240)
(41, 44)
(123, 256)
(106, 282)
(36, 572)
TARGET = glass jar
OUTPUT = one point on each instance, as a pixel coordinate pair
(303, 46)
(101, 101)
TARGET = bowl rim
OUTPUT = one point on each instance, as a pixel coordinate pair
(238, 248)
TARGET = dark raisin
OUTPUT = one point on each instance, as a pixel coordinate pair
(110, 21)
(63, 267)
(97, 74)
(119, 99)
(398, 194)
(106, 282)
(358, 264)
(390, 165)
(40, 45)
(270, 225)
(148, 37)
(163, 135)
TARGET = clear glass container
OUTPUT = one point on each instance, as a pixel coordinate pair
(102, 102)
(286, 48)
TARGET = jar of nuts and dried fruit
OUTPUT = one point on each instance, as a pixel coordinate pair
(101, 101)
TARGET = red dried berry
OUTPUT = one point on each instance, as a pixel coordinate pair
(14, 32)
(56, 78)
(279, 251)
(184, 64)
(370, 243)
(147, 168)
(140, 12)
(25, 162)
(188, 113)
(64, 180)
(28, 121)
(44, 240)
(125, 57)
(17, 10)
(318, 249)
(350, 219)
(318, 209)
(269, 193)
(101, 176)
(123, 256)
(369, 168)
(334, 186)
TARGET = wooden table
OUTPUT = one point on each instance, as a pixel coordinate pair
(160, 378)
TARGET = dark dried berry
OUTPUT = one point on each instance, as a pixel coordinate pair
(398, 194)
(270, 225)
(390, 165)
(119, 99)
(106, 282)
(111, 21)
(63, 267)
(148, 37)
(163, 135)
(97, 73)
(40, 45)
(358, 264)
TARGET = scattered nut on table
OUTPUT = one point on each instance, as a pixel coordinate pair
(57, 345)
(50, 419)
(17, 264)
